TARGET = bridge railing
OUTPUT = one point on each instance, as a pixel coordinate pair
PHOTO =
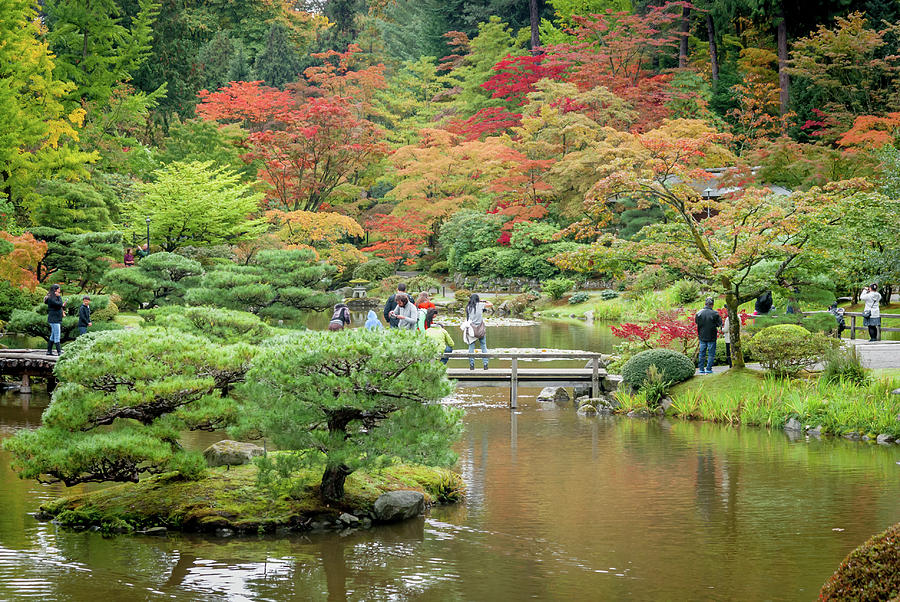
(594, 358)
(853, 327)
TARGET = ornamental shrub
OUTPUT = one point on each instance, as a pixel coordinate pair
(12, 297)
(579, 297)
(870, 572)
(439, 267)
(785, 349)
(422, 284)
(673, 367)
(608, 294)
(374, 270)
(557, 287)
(844, 365)
(686, 291)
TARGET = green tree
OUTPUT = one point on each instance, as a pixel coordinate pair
(220, 325)
(159, 278)
(75, 207)
(32, 322)
(123, 400)
(82, 258)
(349, 400)
(468, 231)
(277, 64)
(196, 204)
(37, 132)
(277, 284)
(199, 140)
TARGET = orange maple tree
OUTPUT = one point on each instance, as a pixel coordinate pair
(19, 265)
(251, 104)
(402, 237)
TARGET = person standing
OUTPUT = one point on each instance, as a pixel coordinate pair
(708, 322)
(406, 314)
(838, 313)
(726, 334)
(55, 305)
(340, 317)
(763, 304)
(423, 303)
(129, 258)
(391, 305)
(872, 310)
(438, 334)
(84, 315)
(475, 321)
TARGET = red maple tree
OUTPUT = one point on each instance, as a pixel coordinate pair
(249, 103)
(402, 237)
(485, 122)
(515, 76)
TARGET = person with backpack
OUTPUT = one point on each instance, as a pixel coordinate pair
(474, 328)
(55, 304)
(838, 313)
(391, 305)
(340, 318)
(708, 323)
(872, 310)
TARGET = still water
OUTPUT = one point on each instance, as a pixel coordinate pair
(559, 507)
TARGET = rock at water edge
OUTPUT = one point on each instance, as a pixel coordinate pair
(398, 505)
(884, 439)
(231, 453)
(587, 410)
(793, 425)
(554, 394)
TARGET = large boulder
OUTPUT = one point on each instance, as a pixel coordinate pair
(395, 506)
(231, 453)
(554, 394)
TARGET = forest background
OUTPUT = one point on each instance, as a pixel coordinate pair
(744, 144)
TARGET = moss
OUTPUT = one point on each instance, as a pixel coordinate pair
(870, 572)
(230, 499)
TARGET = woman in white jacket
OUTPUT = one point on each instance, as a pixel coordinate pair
(871, 312)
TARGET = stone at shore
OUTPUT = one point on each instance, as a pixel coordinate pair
(793, 425)
(895, 392)
(815, 432)
(348, 519)
(554, 394)
(395, 506)
(231, 453)
(884, 439)
(587, 409)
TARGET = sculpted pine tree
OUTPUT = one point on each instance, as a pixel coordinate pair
(143, 387)
(349, 400)
(278, 284)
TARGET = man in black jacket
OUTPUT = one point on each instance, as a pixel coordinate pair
(84, 315)
(391, 305)
(708, 323)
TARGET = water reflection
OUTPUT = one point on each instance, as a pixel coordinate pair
(559, 507)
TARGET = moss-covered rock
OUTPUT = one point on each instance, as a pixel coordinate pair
(229, 499)
(870, 572)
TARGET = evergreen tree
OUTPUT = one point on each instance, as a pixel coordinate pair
(159, 278)
(276, 284)
(75, 207)
(349, 400)
(277, 64)
(214, 59)
(80, 257)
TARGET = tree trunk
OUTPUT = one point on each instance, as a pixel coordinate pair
(713, 49)
(734, 319)
(783, 77)
(683, 42)
(332, 488)
(535, 27)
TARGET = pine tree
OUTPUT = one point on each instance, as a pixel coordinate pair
(277, 64)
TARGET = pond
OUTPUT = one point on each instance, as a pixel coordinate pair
(559, 507)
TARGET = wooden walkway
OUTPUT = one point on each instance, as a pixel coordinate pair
(26, 363)
(513, 376)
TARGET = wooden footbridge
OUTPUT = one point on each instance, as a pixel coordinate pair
(28, 363)
(513, 376)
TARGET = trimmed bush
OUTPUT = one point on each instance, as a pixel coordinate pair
(374, 270)
(557, 287)
(870, 572)
(686, 291)
(608, 294)
(673, 366)
(439, 267)
(422, 284)
(579, 297)
(785, 349)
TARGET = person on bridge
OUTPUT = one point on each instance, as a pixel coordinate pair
(55, 304)
(391, 305)
(474, 329)
(708, 323)
(438, 334)
(872, 311)
(84, 315)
